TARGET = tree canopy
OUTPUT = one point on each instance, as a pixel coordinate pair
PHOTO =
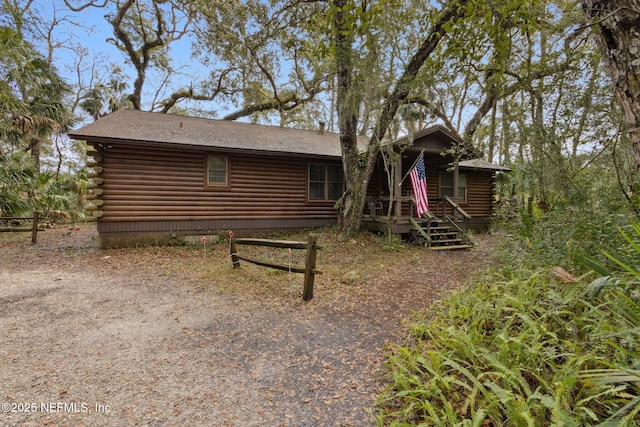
(522, 81)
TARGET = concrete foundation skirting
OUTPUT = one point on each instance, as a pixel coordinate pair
(119, 235)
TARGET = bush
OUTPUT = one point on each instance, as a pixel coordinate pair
(621, 297)
(522, 348)
(507, 351)
(537, 239)
(17, 174)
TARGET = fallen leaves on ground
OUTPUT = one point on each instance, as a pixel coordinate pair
(175, 335)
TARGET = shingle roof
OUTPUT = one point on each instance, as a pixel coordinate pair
(146, 127)
(156, 128)
(483, 164)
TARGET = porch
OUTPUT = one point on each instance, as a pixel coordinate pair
(461, 189)
(442, 227)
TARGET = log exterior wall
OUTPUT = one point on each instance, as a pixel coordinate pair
(480, 194)
(156, 194)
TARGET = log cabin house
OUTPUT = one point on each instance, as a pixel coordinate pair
(162, 178)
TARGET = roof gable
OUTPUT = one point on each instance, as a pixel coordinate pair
(436, 140)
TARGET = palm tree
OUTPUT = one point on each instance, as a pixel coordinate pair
(32, 95)
(32, 109)
(17, 174)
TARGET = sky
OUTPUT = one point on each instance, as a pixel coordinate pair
(90, 29)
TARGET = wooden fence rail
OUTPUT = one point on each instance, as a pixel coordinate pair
(33, 229)
(309, 269)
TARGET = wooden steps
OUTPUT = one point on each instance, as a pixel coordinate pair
(450, 247)
(438, 235)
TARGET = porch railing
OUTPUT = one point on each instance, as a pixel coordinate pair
(379, 206)
(444, 208)
(438, 207)
(456, 211)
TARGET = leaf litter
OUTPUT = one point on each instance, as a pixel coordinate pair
(175, 336)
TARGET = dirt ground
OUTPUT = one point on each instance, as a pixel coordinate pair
(164, 336)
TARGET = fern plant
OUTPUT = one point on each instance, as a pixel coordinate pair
(510, 350)
(621, 296)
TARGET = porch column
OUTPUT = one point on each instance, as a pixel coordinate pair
(456, 179)
(397, 190)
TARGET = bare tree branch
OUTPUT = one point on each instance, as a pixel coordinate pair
(161, 37)
(402, 88)
(493, 94)
(435, 110)
(285, 103)
(85, 5)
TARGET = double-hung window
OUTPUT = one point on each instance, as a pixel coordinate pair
(446, 186)
(217, 170)
(325, 182)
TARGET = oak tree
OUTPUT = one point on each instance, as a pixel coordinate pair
(616, 28)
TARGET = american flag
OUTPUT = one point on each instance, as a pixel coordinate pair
(419, 183)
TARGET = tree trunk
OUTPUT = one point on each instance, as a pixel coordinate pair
(347, 104)
(34, 148)
(358, 168)
(354, 206)
(492, 130)
(616, 25)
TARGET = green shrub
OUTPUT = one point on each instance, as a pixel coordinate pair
(509, 350)
(23, 189)
(618, 291)
(17, 174)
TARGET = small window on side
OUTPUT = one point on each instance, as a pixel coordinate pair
(446, 186)
(217, 170)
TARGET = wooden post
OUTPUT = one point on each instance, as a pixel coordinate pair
(234, 253)
(310, 266)
(456, 183)
(34, 227)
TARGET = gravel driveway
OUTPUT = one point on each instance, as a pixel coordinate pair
(174, 336)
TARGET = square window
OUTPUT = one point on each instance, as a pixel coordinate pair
(325, 182)
(446, 186)
(316, 190)
(316, 173)
(334, 173)
(335, 190)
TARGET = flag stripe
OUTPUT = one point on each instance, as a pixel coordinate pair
(419, 183)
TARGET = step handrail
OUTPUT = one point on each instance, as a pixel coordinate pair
(428, 214)
(420, 230)
(453, 224)
(465, 217)
(457, 207)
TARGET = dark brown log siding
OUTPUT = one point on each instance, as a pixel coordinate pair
(479, 194)
(170, 185)
(480, 190)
